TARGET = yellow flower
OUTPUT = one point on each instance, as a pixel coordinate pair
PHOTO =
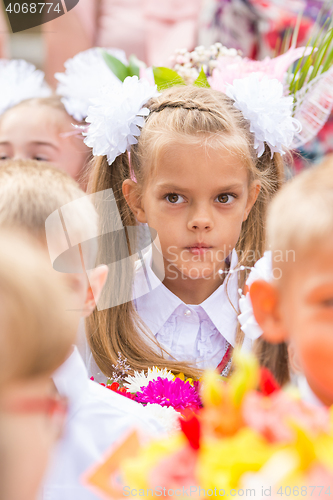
(222, 462)
(245, 378)
(136, 470)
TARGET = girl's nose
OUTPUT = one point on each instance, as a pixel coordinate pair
(201, 221)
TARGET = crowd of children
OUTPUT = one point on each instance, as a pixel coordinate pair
(81, 296)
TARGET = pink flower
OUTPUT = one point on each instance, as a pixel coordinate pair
(270, 416)
(228, 70)
(176, 471)
(175, 393)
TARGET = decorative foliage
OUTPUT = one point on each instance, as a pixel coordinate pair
(120, 69)
(121, 368)
(316, 63)
(166, 77)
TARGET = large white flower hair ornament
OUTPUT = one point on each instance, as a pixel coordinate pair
(262, 102)
(85, 74)
(20, 80)
(262, 270)
(116, 115)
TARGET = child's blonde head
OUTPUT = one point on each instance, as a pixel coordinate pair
(36, 328)
(30, 191)
(307, 203)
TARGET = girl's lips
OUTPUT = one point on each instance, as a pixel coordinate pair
(199, 250)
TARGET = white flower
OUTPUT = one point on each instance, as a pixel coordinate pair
(85, 74)
(167, 416)
(116, 115)
(262, 270)
(20, 80)
(262, 102)
(142, 379)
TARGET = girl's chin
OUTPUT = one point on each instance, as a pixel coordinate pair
(196, 273)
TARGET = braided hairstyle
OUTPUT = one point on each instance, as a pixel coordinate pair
(191, 115)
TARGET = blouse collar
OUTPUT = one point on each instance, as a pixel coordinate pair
(155, 303)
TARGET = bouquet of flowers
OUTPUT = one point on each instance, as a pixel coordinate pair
(164, 395)
(241, 441)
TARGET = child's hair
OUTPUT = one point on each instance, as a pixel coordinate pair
(53, 101)
(189, 115)
(36, 331)
(301, 215)
(275, 358)
(31, 190)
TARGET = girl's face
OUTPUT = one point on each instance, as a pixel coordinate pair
(196, 199)
(35, 132)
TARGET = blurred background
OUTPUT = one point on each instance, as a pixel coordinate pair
(153, 30)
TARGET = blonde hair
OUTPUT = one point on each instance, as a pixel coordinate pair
(31, 190)
(36, 332)
(301, 215)
(191, 115)
(53, 101)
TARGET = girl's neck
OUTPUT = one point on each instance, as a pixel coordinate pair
(190, 291)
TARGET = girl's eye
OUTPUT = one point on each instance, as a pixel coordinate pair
(39, 158)
(174, 198)
(225, 198)
(4, 157)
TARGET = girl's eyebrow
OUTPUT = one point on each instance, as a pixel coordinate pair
(173, 187)
(42, 143)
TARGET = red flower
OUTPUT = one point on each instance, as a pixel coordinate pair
(191, 429)
(267, 383)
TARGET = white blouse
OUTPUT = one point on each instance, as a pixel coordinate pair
(199, 334)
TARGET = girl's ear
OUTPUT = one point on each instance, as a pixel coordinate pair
(97, 279)
(265, 303)
(133, 199)
(254, 191)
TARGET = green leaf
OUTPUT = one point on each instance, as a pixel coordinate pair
(117, 67)
(134, 66)
(202, 81)
(166, 77)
